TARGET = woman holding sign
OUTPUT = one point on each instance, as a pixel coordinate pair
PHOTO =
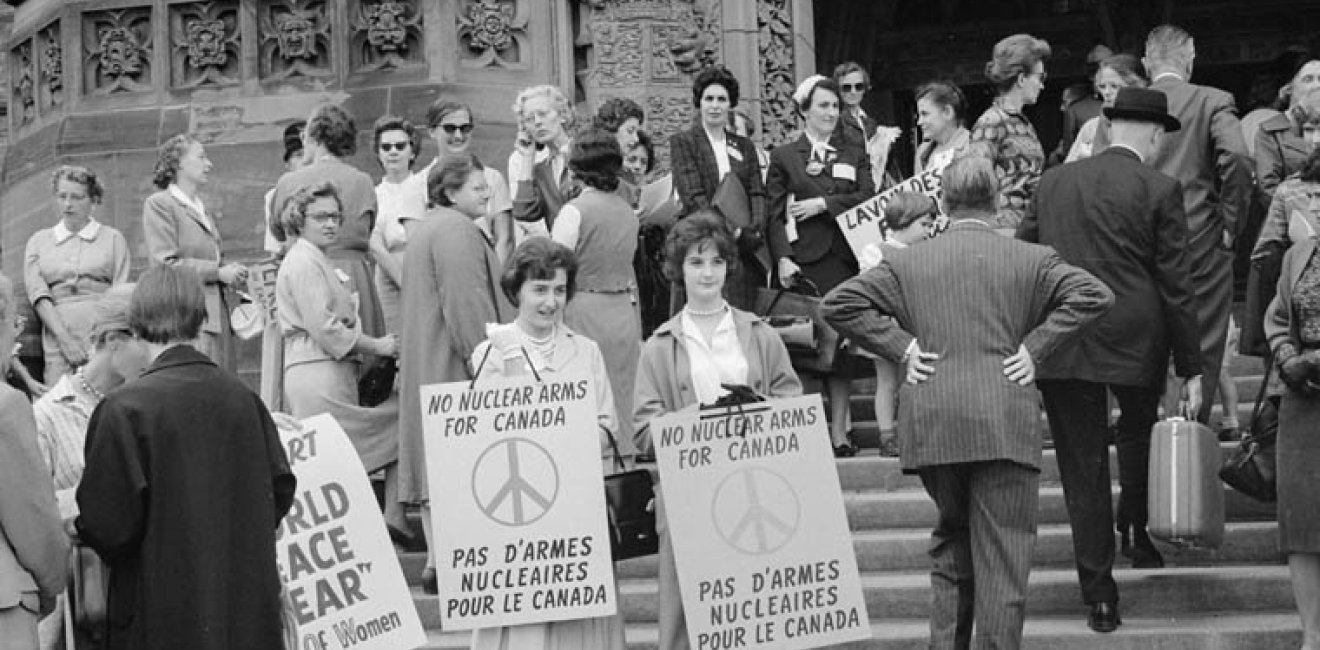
(688, 360)
(812, 181)
(539, 280)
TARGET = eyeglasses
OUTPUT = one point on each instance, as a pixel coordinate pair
(397, 146)
(450, 128)
(853, 88)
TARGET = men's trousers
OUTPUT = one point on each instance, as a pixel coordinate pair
(1079, 422)
(982, 548)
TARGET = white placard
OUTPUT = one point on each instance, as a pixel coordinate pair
(864, 224)
(760, 536)
(344, 582)
(518, 501)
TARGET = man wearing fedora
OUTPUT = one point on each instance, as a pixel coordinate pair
(1114, 216)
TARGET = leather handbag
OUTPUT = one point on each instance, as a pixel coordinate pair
(89, 585)
(1251, 468)
(628, 498)
(377, 381)
(791, 314)
(732, 202)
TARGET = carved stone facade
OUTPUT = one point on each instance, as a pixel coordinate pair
(206, 45)
(774, 21)
(50, 62)
(117, 51)
(295, 37)
(492, 34)
(23, 73)
(386, 35)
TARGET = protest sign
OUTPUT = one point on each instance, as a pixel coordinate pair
(518, 501)
(343, 577)
(864, 224)
(756, 519)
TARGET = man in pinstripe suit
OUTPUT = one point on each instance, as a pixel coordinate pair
(969, 314)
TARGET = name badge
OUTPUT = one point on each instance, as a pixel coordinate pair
(734, 153)
(845, 171)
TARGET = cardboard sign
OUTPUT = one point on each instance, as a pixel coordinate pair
(518, 500)
(864, 224)
(341, 572)
(765, 558)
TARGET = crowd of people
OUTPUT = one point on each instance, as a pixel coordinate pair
(574, 256)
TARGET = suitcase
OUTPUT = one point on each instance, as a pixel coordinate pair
(1185, 498)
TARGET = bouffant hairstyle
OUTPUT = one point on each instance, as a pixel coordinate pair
(1013, 56)
(442, 108)
(615, 111)
(82, 176)
(168, 305)
(294, 217)
(905, 208)
(334, 128)
(1128, 68)
(449, 176)
(645, 141)
(824, 83)
(716, 74)
(970, 183)
(705, 226)
(945, 94)
(595, 158)
(557, 98)
(388, 123)
(848, 67)
(168, 157)
(537, 259)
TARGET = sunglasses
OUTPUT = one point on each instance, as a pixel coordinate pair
(450, 128)
(397, 146)
(853, 88)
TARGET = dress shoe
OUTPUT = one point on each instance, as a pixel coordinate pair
(406, 542)
(429, 585)
(1143, 552)
(1104, 618)
(845, 450)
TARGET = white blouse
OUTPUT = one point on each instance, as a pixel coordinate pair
(721, 362)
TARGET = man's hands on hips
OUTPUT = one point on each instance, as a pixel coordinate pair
(920, 364)
(1020, 367)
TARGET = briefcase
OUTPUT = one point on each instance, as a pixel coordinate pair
(812, 344)
(1185, 498)
(88, 589)
(629, 499)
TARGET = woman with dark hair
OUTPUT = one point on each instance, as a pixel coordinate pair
(539, 281)
(622, 117)
(942, 116)
(689, 358)
(451, 124)
(329, 138)
(811, 181)
(179, 232)
(1280, 143)
(599, 226)
(1003, 134)
(854, 81)
(449, 298)
(1116, 72)
(701, 158)
(185, 484)
(400, 196)
(68, 266)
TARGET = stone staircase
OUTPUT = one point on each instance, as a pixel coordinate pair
(1238, 596)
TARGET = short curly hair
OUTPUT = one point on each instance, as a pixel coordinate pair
(704, 226)
(388, 123)
(906, 207)
(168, 157)
(1014, 55)
(334, 128)
(715, 75)
(595, 159)
(537, 259)
(294, 217)
(645, 141)
(80, 175)
(448, 176)
(557, 98)
(615, 111)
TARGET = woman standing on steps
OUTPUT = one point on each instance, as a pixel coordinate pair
(708, 343)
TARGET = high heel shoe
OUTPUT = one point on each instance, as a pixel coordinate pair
(845, 450)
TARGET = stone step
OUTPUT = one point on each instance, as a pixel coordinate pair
(863, 413)
(1168, 592)
(905, 549)
(1264, 631)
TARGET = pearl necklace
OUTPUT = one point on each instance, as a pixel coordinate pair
(718, 310)
(87, 386)
(535, 341)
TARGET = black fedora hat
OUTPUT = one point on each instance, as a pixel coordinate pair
(1144, 105)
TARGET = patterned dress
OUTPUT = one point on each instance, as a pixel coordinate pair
(1009, 140)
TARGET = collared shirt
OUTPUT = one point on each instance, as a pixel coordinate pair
(62, 415)
(86, 233)
(58, 263)
(1162, 75)
(195, 204)
(1134, 151)
(318, 313)
(720, 362)
(721, 148)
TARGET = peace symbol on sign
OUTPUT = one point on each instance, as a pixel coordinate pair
(515, 482)
(755, 511)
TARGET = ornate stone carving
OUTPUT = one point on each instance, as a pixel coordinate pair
(295, 39)
(51, 93)
(206, 41)
(117, 46)
(387, 35)
(775, 22)
(619, 54)
(491, 33)
(666, 115)
(24, 86)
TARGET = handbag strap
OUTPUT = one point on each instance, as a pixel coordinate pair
(614, 447)
(769, 310)
(1260, 392)
(482, 365)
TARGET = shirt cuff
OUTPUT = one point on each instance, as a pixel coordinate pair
(907, 352)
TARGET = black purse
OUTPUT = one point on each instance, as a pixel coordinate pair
(631, 523)
(377, 382)
(1251, 468)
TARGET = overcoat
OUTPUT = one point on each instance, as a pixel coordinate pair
(186, 482)
(177, 236)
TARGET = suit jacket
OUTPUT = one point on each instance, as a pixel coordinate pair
(696, 174)
(540, 198)
(1280, 152)
(176, 235)
(1207, 156)
(1124, 223)
(973, 297)
(788, 175)
(34, 550)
